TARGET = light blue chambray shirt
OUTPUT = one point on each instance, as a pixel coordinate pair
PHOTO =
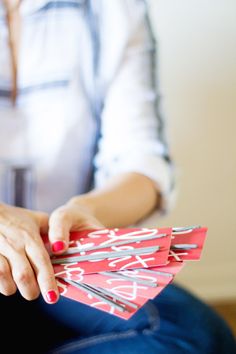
(88, 106)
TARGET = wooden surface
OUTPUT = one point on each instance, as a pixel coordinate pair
(228, 311)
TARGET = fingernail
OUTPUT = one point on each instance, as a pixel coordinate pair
(58, 246)
(51, 296)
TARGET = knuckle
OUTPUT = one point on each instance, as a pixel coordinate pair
(50, 280)
(43, 257)
(25, 233)
(28, 235)
(22, 276)
(4, 271)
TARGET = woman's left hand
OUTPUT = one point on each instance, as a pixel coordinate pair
(72, 216)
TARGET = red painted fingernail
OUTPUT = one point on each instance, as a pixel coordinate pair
(58, 246)
(51, 296)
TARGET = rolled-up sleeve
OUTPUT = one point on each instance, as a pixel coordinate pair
(133, 135)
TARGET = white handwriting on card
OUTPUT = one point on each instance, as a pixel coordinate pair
(176, 255)
(113, 237)
(128, 292)
(102, 305)
(71, 270)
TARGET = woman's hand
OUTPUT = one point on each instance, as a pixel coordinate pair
(24, 262)
(125, 200)
(73, 216)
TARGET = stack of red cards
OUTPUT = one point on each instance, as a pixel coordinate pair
(119, 270)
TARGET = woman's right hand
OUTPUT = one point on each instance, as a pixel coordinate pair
(24, 261)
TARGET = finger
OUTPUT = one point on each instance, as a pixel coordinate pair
(44, 272)
(59, 230)
(20, 267)
(21, 271)
(23, 274)
(7, 284)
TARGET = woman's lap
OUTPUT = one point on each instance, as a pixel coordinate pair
(175, 322)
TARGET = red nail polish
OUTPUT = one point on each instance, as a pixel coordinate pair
(51, 296)
(58, 246)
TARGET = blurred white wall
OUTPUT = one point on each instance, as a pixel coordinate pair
(197, 68)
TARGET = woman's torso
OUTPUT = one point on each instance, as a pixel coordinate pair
(53, 128)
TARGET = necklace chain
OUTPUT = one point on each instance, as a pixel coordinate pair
(13, 24)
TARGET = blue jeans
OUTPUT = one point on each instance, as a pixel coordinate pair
(175, 322)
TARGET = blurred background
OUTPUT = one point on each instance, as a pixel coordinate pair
(197, 74)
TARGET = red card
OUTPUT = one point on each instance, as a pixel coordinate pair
(76, 294)
(144, 286)
(116, 281)
(130, 291)
(139, 239)
(194, 237)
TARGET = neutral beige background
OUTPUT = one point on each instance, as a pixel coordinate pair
(197, 68)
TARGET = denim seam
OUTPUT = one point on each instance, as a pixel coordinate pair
(83, 343)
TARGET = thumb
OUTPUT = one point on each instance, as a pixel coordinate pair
(59, 230)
